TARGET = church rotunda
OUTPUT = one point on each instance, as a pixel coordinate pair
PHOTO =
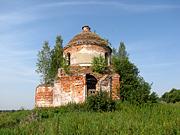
(81, 81)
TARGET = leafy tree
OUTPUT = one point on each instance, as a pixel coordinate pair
(99, 64)
(122, 53)
(56, 58)
(171, 97)
(141, 91)
(43, 63)
(133, 87)
(153, 97)
(128, 73)
(66, 66)
(49, 61)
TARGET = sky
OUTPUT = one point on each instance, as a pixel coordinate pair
(149, 29)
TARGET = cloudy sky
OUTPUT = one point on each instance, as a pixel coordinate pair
(150, 30)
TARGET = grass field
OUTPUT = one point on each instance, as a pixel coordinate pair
(156, 119)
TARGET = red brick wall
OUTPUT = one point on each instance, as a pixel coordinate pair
(69, 89)
(73, 89)
(115, 86)
(44, 96)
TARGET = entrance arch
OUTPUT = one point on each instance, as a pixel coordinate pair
(91, 82)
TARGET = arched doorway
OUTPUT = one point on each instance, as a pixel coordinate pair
(91, 82)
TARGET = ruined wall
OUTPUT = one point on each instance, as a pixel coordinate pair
(111, 84)
(83, 54)
(44, 96)
(69, 89)
(115, 86)
(104, 83)
(74, 89)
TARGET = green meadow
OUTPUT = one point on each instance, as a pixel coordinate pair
(73, 119)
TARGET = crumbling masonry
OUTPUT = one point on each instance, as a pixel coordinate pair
(81, 81)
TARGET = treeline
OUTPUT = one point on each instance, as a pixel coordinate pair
(1, 111)
(172, 96)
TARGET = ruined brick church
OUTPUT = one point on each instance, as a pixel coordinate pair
(81, 82)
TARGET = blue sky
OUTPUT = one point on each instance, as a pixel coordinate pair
(150, 30)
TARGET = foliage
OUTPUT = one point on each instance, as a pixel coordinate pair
(171, 97)
(99, 64)
(153, 97)
(49, 61)
(66, 66)
(133, 87)
(100, 101)
(43, 63)
(56, 58)
(142, 93)
(122, 53)
(156, 119)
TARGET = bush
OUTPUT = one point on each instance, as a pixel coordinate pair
(99, 64)
(100, 102)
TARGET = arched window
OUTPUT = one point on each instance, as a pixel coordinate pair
(91, 82)
(110, 62)
(69, 58)
(106, 58)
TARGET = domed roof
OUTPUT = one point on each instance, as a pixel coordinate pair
(86, 37)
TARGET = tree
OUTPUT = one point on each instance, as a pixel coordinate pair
(142, 91)
(172, 96)
(153, 97)
(56, 58)
(133, 87)
(43, 63)
(122, 53)
(66, 66)
(127, 71)
(99, 64)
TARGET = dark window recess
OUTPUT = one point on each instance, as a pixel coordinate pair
(106, 58)
(69, 58)
(91, 82)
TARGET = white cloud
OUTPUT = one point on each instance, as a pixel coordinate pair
(15, 17)
(119, 5)
(12, 20)
(39, 11)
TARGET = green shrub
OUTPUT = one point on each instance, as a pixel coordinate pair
(100, 102)
(99, 64)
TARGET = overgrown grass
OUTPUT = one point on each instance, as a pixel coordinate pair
(148, 119)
